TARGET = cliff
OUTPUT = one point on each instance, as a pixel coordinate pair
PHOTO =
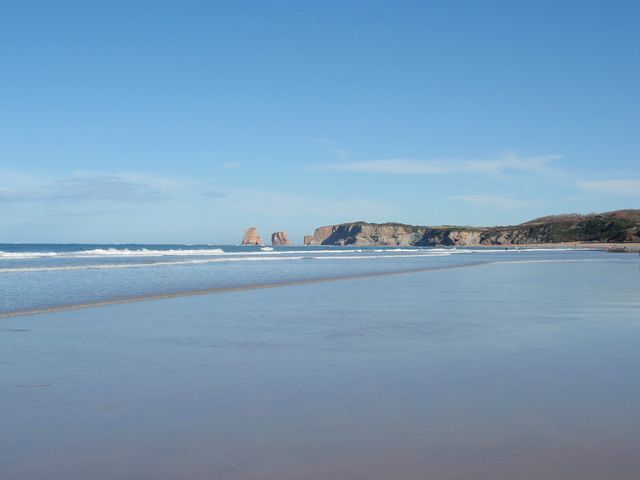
(619, 226)
(362, 233)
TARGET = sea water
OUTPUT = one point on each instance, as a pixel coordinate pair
(42, 276)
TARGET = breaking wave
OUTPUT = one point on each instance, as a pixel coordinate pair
(115, 252)
(220, 259)
(144, 252)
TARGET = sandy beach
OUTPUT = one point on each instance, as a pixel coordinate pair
(516, 370)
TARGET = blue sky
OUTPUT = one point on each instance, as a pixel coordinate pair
(190, 121)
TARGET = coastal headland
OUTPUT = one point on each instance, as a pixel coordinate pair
(619, 230)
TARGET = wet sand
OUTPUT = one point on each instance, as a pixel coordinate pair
(218, 290)
(506, 371)
(630, 247)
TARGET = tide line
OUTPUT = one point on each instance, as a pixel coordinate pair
(218, 290)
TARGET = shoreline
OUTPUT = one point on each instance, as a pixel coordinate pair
(218, 290)
(613, 247)
(632, 247)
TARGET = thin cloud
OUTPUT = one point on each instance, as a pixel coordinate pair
(285, 203)
(399, 166)
(231, 165)
(102, 188)
(493, 201)
(332, 147)
(126, 187)
(90, 191)
(7, 193)
(630, 188)
(392, 167)
(215, 193)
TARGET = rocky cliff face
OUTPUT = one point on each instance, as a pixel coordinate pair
(362, 233)
(320, 236)
(450, 237)
(618, 226)
(280, 238)
(310, 240)
(252, 237)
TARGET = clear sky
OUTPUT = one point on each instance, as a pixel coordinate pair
(188, 121)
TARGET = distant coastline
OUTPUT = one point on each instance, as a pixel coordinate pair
(619, 229)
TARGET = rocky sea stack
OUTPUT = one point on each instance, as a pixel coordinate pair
(280, 238)
(252, 237)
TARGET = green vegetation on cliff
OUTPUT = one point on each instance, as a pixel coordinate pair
(620, 226)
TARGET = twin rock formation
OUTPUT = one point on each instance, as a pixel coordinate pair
(252, 237)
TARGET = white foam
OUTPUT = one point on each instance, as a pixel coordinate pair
(219, 259)
(9, 255)
(373, 257)
(210, 254)
(565, 249)
(144, 252)
(114, 252)
(559, 260)
(515, 249)
(397, 250)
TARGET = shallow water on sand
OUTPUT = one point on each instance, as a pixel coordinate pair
(35, 277)
(500, 371)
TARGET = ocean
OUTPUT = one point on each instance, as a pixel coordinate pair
(45, 276)
(361, 363)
